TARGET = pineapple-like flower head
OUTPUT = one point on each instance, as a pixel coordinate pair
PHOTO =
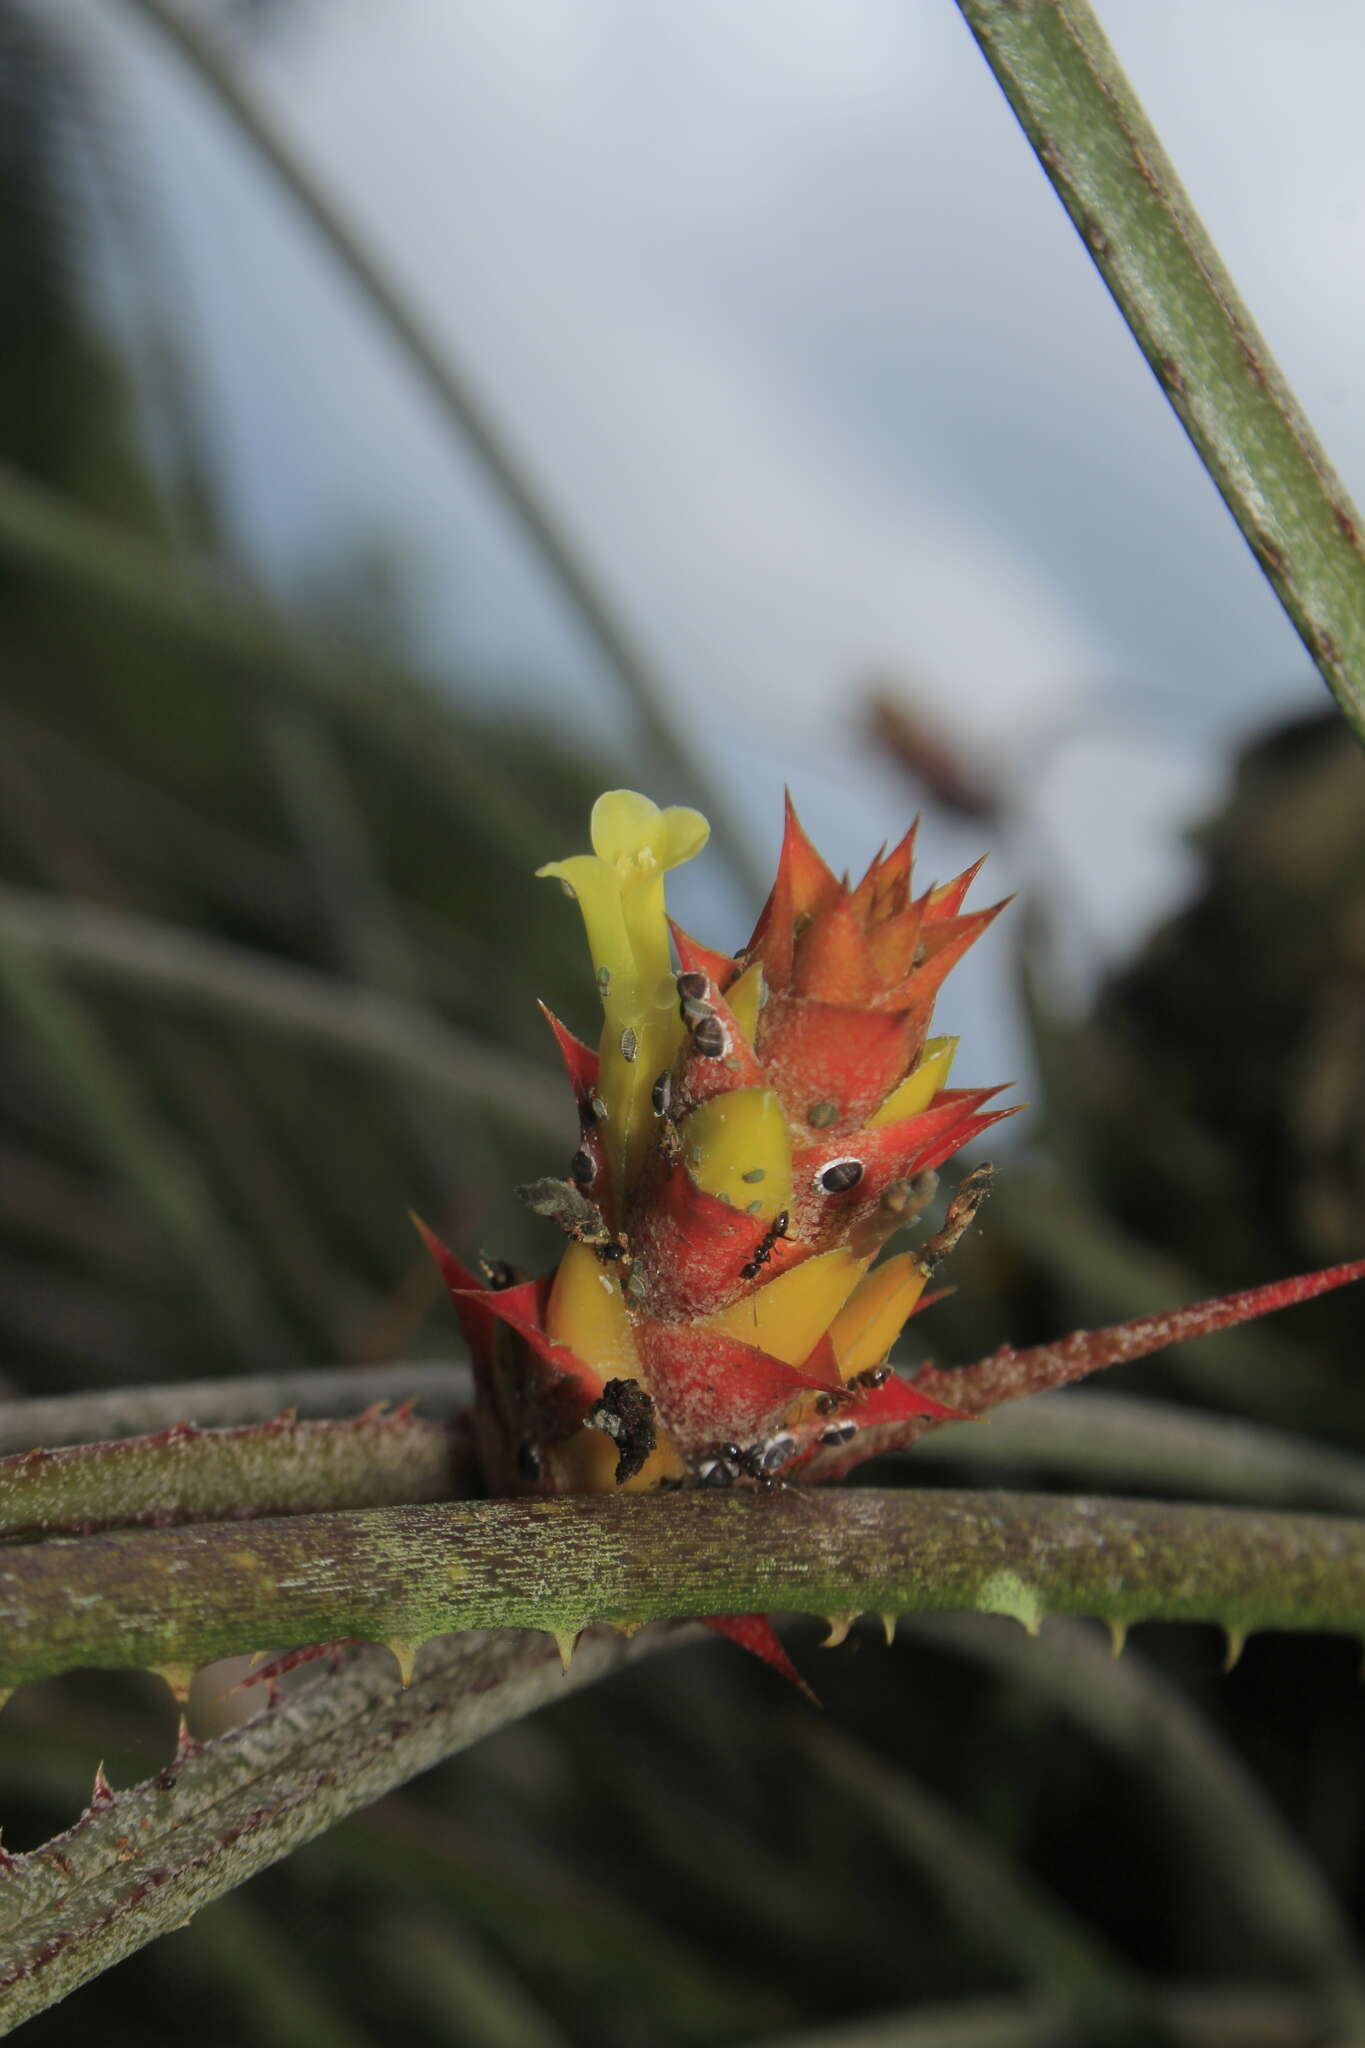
(752, 1130)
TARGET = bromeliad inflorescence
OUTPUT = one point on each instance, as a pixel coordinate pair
(752, 1130)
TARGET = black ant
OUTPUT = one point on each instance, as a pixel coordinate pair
(875, 1376)
(729, 1463)
(775, 1233)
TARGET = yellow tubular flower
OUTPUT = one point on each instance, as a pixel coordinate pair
(619, 888)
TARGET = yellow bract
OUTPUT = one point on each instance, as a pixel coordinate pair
(619, 888)
(788, 1317)
(744, 998)
(587, 1311)
(920, 1085)
(870, 1321)
(586, 1463)
(745, 1150)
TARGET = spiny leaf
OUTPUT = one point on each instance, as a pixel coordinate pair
(179, 1597)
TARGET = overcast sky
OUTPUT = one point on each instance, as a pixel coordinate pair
(777, 303)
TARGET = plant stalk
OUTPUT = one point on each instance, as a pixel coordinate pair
(404, 1574)
(142, 1862)
(187, 1474)
(1110, 172)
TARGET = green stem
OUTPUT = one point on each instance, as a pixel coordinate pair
(188, 1474)
(208, 612)
(1004, 1914)
(1253, 2015)
(1115, 1441)
(461, 410)
(138, 1867)
(1110, 172)
(137, 952)
(441, 1391)
(1207, 1804)
(318, 797)
(405, 1574)
(104, 1093)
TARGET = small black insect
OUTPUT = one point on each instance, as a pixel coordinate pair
(499, 1274)
(839, 1434)
(840, 1175)
(875, 1376)
(731, 1464)
(725, 1464)
(765, 1247)
(581, 1167)
(692, 987)
(661, 1094)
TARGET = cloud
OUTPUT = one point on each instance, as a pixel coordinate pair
(786, 320)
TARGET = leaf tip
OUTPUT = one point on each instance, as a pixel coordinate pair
(566, 1640)
(404, 1654)
(179, 1677)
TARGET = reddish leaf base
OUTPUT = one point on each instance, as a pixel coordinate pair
(1008, 1374)
(289, 1660)
(756, 1634)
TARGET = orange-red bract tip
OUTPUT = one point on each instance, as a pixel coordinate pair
(884, 890)
(805, 885)
(694, 958)
(948, 898)
(457, 1277)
